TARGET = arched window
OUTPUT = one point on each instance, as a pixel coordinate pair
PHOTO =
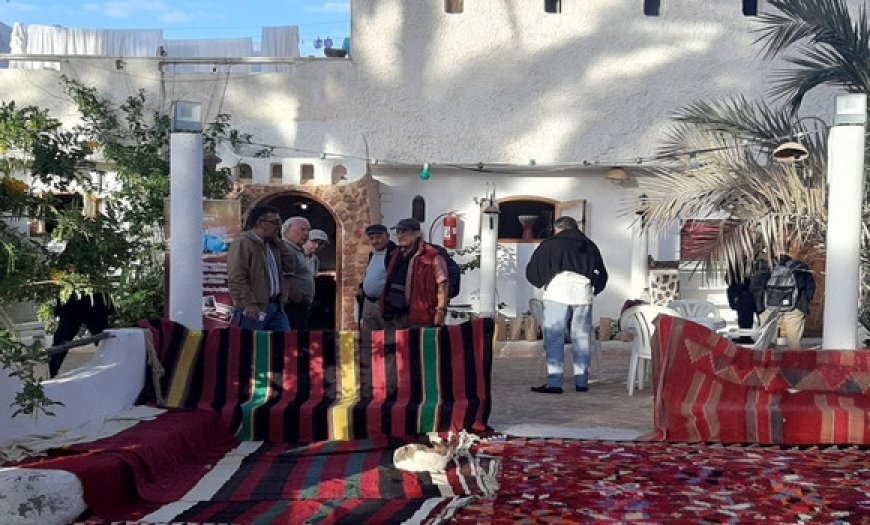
(277, 174)
(418, 209)
(244, 172)
(553, 6)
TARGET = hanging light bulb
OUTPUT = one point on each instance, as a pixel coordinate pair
(318, 43)
(424, 173)
(693, 161)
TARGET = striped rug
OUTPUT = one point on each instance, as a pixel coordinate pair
(303, 387)
(329, 482)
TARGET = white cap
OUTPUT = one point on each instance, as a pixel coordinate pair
(318, 235)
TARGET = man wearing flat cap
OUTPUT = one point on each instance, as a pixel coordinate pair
(372, 287)
(415, 294)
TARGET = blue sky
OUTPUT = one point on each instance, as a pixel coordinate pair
(191, 18)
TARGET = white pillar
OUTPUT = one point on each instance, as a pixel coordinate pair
(488, 253)
(185, 229)
(639, 260)
(843, 243)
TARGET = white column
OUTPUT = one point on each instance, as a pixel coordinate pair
(488, 251)
(639, 260)
(185, 229)
(843, 243)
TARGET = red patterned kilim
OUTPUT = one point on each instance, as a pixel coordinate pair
(709, 389)
(566, 482)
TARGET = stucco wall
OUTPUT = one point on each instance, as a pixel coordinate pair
(502, 82)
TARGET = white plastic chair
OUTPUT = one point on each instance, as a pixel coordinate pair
(763, 336)
(699, 311)
(639, 319)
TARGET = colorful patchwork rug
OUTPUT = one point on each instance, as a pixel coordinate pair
(564, 481)
(302, 387)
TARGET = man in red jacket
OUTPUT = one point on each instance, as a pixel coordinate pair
(415, 294)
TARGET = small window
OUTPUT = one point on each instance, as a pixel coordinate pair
(418, 209)
(651, 7)
(245, 172)
(750, 7)
(553, 6)
(277, 173)
(339, 173)
(306, 173)
(453, 6)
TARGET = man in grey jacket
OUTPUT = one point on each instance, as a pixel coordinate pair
(256, 262)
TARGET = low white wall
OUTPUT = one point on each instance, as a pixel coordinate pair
(110, 382)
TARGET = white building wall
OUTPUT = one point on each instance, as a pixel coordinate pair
(501, 82)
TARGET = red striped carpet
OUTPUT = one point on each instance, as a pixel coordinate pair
(302, 387)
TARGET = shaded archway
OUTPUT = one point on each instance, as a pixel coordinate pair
(294, 203)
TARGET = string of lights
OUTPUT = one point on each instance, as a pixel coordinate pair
(532, 166)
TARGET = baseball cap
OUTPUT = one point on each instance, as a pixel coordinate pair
(407, 224)
(376, 228)
(318, 235)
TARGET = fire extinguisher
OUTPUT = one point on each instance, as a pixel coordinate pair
(450, 232)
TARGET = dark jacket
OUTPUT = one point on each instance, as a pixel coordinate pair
(421, 283)
(803, 276)
(569, 250)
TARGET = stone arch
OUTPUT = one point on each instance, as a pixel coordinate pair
(351, 207)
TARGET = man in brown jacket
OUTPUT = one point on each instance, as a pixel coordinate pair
(256, 261)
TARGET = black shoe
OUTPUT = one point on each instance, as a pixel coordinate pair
(544, 389)
(581, 388)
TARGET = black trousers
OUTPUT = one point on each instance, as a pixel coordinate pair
(71, 316)
(299, 315)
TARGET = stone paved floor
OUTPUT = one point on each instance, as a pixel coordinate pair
(606, 411)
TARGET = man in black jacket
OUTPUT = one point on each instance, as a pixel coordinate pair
(793, 317)
(372, 287)
(569, 267)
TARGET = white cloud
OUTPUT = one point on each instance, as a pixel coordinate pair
(330, 7)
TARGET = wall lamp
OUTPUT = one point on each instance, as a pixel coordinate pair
(793, 151)
(187, 116)
(617, 175)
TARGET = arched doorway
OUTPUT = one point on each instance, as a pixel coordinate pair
(290, 204)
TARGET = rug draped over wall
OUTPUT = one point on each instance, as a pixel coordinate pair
(710, 389)
(302, 387)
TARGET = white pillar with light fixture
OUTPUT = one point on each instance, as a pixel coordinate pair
(843, 242)
(489, 212)
(185, 214)
(639, 271)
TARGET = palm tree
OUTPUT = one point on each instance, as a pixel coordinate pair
(762, 203)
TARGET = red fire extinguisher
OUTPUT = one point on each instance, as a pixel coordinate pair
(450, 232)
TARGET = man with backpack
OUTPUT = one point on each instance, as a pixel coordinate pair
(785, 290)
(417, 284)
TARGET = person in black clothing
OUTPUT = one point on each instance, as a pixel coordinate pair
(570, 269)
(92, 311)
(792, 321)
(741, 300)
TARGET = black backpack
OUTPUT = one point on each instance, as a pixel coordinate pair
(780, 292)
(454, 272)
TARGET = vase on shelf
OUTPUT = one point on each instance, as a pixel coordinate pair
(528, 222)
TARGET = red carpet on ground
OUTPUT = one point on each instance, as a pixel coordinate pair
(564, 481)
(136, 471)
